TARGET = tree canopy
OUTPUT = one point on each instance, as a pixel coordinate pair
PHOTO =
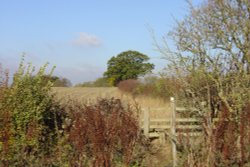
(127, 65)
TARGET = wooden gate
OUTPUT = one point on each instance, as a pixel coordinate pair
(170, 127)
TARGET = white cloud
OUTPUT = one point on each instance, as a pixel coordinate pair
(85, 39)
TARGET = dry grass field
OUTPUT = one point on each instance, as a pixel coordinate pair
(158, 108)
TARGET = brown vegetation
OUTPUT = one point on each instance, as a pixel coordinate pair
(104, 132)
(128, 86)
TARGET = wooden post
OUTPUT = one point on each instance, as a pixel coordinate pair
(146, 122)
(162, 138)
(173, 131)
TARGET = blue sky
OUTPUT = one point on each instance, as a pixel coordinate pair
(80, 36)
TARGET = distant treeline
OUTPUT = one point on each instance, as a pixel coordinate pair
(100, 82)
(58, 81)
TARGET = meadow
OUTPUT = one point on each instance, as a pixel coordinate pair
(158, 107)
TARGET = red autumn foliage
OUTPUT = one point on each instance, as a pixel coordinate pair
(128, 85)
(103, 131)
(232, 137)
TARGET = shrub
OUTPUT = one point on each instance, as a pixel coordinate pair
(129, 85)
(160, 87)
(31, 116)
(102, 134)
(5, 130)
(101, 82)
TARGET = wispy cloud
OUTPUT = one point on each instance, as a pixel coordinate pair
(86, 39)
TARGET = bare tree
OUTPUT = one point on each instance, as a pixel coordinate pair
(212, 61)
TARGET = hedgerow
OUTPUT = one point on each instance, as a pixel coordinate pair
(30, 118)
(37, 130)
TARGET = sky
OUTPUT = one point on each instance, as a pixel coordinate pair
(80, 36)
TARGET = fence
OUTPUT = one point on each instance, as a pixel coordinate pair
(171, 127)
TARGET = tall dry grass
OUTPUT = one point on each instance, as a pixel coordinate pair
(158, 107)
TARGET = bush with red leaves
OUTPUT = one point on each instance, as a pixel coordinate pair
(104, 133)
(129, 85)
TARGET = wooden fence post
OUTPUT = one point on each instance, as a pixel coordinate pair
(162, 137)
(173, 131)
(146, 122)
